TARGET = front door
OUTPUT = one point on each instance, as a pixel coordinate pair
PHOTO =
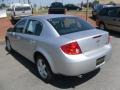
(16, 35)
(30, 38)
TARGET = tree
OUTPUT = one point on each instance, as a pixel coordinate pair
(3, 5)
(112, 3)
(96, 1)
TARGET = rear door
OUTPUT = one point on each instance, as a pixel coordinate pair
(117, 20)
(103, 16)
(112, 19)
(30, 38)
(16, 35)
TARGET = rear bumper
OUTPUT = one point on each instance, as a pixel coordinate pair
(84, 63)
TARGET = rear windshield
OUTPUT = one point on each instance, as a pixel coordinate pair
(56, 5)
(22, 8)
(66, 25)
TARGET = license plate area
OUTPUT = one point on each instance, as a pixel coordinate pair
(100, 60)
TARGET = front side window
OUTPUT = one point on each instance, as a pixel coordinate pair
(34, 27)
(66, 25)
(20, 26)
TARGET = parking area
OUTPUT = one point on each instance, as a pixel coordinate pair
(17, 73)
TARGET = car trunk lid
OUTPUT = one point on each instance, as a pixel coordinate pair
(90, 39)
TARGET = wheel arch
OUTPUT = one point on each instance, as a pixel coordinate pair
(46, 56)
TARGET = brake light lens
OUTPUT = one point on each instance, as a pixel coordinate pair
(71, 48)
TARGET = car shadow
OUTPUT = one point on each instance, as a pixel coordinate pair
(92, 18)
(59, 81)
(114, 33)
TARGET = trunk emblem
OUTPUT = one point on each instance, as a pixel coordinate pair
(97, 42)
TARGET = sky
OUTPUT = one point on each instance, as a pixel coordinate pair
(44, 2)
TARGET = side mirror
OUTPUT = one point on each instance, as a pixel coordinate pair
(11, 29)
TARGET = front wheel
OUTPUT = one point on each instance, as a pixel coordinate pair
(8, 46)
(44, 69)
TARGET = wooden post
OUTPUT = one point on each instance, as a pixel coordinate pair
(87, 10)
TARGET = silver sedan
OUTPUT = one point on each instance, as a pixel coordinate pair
(59, 44)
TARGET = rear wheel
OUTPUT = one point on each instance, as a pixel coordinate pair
(44, 70)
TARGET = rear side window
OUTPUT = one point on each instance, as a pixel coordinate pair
(112, 12)
(66, 25)
(22, 8)
(104, 12)
(19, 27)
(56, 5)
(34, 27)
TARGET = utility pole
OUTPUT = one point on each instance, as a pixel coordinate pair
(28, 1)
(87, 10)
(24, 1)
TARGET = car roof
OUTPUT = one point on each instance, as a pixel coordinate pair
(48, 16)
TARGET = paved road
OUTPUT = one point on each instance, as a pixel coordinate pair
(17, 73)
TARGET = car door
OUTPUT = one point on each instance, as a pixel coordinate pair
(16, 35)
(117, 20)
(30, 38)
(103, 16)
(111, 19)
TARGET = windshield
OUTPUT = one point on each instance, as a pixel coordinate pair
(66, 25)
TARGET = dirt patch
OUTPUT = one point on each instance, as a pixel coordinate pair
(5, 23)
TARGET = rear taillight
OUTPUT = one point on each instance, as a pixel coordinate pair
(71, 48)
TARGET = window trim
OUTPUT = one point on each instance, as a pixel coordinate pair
(18, 23)
(28, 21)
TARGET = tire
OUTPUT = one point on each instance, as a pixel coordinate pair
(44, 69)
(102, 26)
(8, 46)
(13, 20)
